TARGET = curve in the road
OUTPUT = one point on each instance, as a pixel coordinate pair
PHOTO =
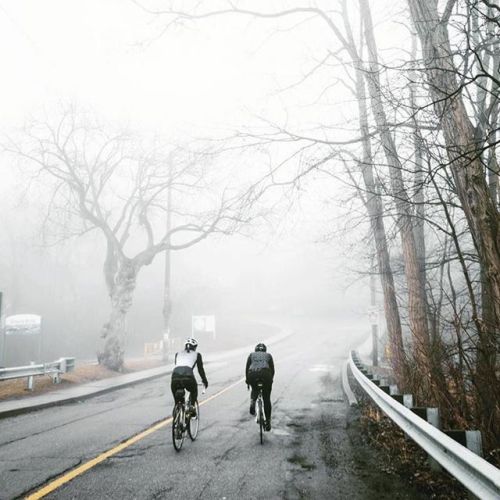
(81, 469)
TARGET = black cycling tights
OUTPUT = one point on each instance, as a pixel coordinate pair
(267, 387)
(189, 383)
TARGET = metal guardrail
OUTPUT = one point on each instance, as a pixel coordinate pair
(351, 398)
(475, 473)
(55, 368)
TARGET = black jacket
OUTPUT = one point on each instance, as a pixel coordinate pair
(258, 361)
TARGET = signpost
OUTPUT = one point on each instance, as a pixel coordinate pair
(373, 317)
(2, 329)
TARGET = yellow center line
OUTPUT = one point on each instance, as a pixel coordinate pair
(81, 469)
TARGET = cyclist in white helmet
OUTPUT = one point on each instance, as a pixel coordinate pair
(183, 373)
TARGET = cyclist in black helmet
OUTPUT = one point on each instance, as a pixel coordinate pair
(260, 367)
(183, 374)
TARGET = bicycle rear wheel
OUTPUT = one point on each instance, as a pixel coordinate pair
(261, 421)
(194, 423)
(177, 427)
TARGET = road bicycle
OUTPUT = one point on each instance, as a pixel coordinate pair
(185, 419)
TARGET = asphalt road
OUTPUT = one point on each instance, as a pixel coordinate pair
(310, 453)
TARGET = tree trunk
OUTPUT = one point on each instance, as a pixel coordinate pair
(375, 211)
(376, 214)
(114, 330)
(167, 305)
(417, 313)
(486, 366)
(167, 287)
(468, 174)
(418, 186)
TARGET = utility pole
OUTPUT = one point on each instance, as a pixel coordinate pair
(374, 317)
(2, 329)
(167, 296)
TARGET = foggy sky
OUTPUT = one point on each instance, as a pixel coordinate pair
(112, 58)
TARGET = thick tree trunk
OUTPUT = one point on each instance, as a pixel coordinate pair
(468, 174)
(486, 366)
(376, 214)
(417, 313)
(418, 186)
(466, 167)
(375, 209)
(114, 330)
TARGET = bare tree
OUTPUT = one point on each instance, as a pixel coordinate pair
(447, 91)
(117, 185)
(454, 196)
(374, 206)
(342, 34)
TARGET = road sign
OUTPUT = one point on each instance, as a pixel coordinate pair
(23, 324)
(203, 325)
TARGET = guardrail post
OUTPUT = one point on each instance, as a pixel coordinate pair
(390, 389)
(66, 365)
(69, 365)
(470, 439)
(404, 399)
(31, 379)
(430, 415)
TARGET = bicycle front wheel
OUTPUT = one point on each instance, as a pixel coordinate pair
(261, 422)
(194, 423)
(177, 428)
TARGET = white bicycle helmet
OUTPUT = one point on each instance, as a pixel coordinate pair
(191, 344)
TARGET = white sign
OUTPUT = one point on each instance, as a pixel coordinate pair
(23, 324)
(203, 324)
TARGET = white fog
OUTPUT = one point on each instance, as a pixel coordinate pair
(118, 63)
(273, 212)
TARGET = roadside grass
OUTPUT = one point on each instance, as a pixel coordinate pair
(399, 455)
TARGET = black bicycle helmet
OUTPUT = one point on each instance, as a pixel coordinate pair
(260, 347)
